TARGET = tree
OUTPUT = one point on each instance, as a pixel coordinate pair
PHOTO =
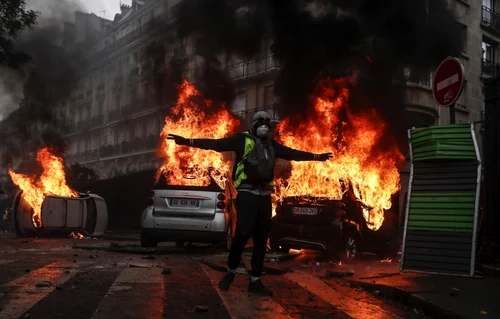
(14, 18)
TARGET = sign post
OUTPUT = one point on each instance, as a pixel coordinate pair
(448, 84)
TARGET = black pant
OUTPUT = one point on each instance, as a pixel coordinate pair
(254, 220)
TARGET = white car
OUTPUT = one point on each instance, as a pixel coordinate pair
(183, 214)
(86, 214)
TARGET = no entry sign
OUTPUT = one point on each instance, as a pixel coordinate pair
(448, 82)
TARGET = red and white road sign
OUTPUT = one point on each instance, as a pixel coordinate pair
(448, 82)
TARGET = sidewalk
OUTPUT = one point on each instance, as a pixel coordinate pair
(439, 296)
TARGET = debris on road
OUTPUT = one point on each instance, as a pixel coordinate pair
(381, 275)
(150, 257)
(454, 292)
(166, 271)
(43, 284)
(338, 274)
(201, 308)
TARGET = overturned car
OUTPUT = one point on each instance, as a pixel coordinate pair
(86, 214)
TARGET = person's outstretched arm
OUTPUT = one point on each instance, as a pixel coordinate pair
(234, 143)
(290, 154)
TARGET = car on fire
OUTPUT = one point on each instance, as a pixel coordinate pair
(86, 214)
(331, 226)
(186, 214)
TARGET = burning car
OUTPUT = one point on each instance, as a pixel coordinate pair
(329, 225)
(183, 213)
(86, 214)
(47, 205)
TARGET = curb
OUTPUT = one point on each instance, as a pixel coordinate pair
(414, 301)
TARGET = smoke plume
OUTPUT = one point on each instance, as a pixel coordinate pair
(376, 39)
(32, 94)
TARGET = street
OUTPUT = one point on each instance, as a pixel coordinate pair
(52, 278)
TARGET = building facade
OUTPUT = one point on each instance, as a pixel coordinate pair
(115, 115)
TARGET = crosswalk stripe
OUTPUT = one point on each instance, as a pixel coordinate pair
(136, 293)
(241, 306)
(352, 307)
(6, 261)
(33, 287)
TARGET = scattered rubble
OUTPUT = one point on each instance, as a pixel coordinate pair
(201, 308)
(166, 271)
(338, 274)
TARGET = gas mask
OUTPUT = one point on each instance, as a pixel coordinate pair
(262, 131)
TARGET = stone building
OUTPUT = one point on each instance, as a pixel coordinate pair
(116, 116)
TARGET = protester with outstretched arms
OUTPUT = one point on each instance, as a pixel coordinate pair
(253, 175)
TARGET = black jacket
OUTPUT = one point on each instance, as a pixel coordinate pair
(236, 143)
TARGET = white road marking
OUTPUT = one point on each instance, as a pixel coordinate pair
(134, 303)
(241, 306)
(352, 307)
(25, 292)
(447, 82)
(6, 261)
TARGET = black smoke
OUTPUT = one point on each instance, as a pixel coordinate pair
(47, 82)
(376, 39)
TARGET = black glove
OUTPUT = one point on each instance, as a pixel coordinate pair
(179, 140)
(324, 157)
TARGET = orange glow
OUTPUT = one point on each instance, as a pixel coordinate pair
(330, 125)
(76, 235)
(51, 182)
(195, 117)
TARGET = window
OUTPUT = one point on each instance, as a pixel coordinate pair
(464, 37)
(239, 103)
(117, 102)
(489, 51)
(490, 4)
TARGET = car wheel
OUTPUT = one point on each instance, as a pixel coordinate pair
(148, 241)
(349, 248)
(229, 236)
(277, 248)
(179, 244)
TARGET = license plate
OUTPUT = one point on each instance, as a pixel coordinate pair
(311, 211)
(181, 202)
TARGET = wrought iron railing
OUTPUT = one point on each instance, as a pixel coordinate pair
(247, 115)
(490, 18)
(489, 68)
(252, 68)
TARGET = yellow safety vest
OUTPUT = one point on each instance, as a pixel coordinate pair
(240, 175)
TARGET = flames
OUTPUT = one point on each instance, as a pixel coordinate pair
(195, 117)
(51, 182)
(369, 173)
(330, 125)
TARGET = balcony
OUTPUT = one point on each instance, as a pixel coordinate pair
(82, 125)
(490, 19)
(489, 68)
(138, 145)
(253, 68)
(113, 115)
(247, 115)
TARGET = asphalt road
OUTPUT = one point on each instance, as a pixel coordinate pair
(50, 278)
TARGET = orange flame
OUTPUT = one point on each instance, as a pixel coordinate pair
(371, 175)
(51, 182)
(76, 235)
(195, 117)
